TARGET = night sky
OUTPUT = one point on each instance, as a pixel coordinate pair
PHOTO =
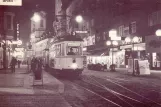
(25, 12)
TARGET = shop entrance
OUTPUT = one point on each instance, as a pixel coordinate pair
(156, 61)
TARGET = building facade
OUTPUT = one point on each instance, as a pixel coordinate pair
(37, 30)
(7, 35)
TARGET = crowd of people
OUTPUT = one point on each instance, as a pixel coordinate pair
(36, 65)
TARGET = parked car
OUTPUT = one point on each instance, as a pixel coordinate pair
(97, 67)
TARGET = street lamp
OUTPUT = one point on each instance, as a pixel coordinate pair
(112, 44)
(79, 18)
(158, 32)
(36, 17)
(133, 41)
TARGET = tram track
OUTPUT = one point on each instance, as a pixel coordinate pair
(121, 81)
(120, 99)
(114, 98)
(132, 92)
(112, 103)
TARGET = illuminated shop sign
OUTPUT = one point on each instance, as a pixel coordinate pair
(18, 31)
(11, 2)
(81, 31)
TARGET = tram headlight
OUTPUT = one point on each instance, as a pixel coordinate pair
(74, 66)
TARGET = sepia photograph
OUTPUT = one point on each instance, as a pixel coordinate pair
(80, 53)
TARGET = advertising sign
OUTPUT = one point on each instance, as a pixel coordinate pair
(144, 67)
(11, 2)
(130, 65)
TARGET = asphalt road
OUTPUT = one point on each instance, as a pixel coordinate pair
(111, 89)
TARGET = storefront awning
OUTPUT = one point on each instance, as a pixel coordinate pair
(86, 53)
(100, 52)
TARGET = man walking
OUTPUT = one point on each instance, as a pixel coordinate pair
(13, 64)
(19, 63)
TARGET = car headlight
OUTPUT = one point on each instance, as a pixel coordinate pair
(74, 65)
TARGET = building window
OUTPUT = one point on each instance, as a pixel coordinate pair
(126, 31)
(9, 22)
(121, 30)
(41, 23)
(154, 18)
(133, 27)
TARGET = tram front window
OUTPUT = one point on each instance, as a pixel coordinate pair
(73, 51)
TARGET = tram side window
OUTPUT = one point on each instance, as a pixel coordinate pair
(58, 50)
(73, 51)
(62, 49)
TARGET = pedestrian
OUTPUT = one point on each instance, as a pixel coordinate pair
(19, 63)
(33, 64)
(13, 64)
(38, 71)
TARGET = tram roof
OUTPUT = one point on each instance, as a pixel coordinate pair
(69, 38)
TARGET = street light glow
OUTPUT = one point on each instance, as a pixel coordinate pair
(79, 19)
(136, 39)
(36, 17)
(158, 32)
(32, 36)
(128, 40)
(113, 33)
(19, 42)
(115, 43)
(108, 43)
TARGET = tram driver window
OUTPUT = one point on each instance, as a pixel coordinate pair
(73, 51)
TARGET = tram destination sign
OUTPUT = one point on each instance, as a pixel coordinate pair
(11, 2)
(73, 44)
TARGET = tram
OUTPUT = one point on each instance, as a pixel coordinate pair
(66, 56)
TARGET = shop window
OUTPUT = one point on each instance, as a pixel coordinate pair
(156, 60)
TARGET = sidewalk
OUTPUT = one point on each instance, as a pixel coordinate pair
(21, 82)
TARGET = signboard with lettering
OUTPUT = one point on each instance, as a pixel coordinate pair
(153, 44)
(144, 67)
(130, 65)
(74, 44)
(140, 40)
(81, 31)
(11, 2)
